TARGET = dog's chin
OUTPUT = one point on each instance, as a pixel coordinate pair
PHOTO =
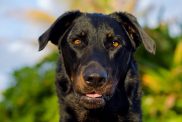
(92, 102)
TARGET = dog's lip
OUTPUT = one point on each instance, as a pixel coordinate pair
(92, 101)
(93, 95)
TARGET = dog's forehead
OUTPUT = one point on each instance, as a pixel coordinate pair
(91, 22)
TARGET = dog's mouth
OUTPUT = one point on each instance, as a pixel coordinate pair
(93, 95)
(93, 100)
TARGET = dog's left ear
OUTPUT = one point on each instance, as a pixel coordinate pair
(134, 31)
(58, 29)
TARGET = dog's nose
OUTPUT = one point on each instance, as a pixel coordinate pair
(96, 78)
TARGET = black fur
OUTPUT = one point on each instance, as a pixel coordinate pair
(97, 79)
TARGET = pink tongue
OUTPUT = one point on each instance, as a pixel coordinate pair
(93, 95)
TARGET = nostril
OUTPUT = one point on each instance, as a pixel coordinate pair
(89, 79)
(100, 79)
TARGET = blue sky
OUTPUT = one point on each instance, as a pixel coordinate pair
(18, 35)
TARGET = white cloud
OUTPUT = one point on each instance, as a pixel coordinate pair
(45, 4)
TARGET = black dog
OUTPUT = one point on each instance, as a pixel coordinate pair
(97, 78)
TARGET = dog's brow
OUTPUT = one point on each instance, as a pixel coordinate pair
(109, 34)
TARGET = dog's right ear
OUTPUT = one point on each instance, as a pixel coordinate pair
(58, 29)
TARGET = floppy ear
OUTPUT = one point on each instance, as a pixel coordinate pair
(134, 31)
(58, 29)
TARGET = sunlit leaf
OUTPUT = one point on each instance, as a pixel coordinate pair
(178, 54)
(39, 16)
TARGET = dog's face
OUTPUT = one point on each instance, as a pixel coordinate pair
(96, 50)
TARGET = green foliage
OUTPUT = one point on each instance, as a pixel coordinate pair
(32, 97)
(161, 76)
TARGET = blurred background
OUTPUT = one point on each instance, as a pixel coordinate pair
(27, 91)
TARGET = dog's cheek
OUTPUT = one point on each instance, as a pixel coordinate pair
(63, 86)
(78, 83)
(130, 88)
(69, 59)
(119, 102)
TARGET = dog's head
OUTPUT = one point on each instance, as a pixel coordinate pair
(96, 50)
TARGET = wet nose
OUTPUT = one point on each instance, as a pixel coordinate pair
(95, 76)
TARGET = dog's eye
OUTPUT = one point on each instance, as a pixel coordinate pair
(77, 42)
(116, 43)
